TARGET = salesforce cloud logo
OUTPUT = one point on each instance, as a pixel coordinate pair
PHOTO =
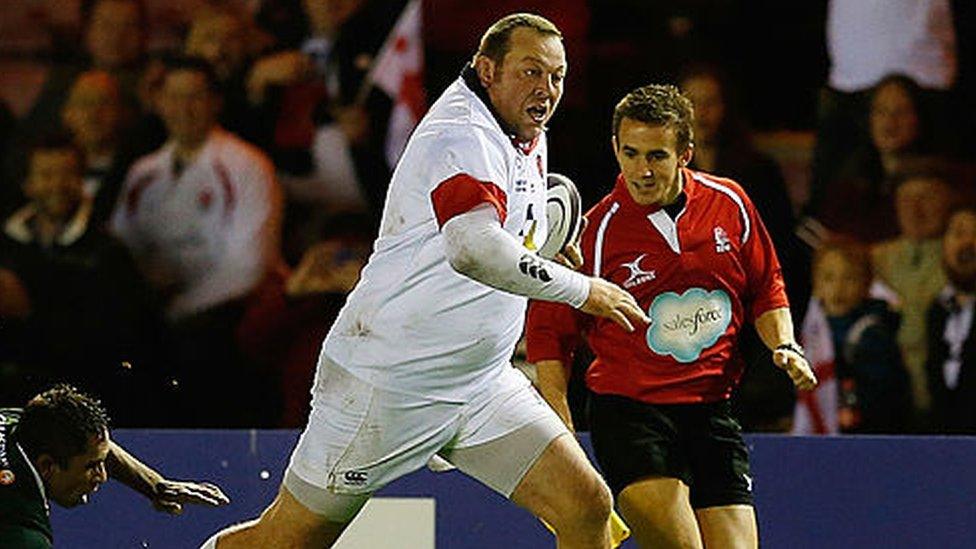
(684, 325)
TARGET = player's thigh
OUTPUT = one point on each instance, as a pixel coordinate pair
(514, 443)
(719, 458)
(640, 450)
(659, 512)
(563, 487)
(728, 526)
(360, 437)
(633, 440)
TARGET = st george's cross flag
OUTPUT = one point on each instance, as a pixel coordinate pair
(399, 71)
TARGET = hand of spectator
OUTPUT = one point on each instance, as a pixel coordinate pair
(14, 301)
(280, 69)
(324, 269)
(794, 364)
(353, 120)
(172, 494)
(608, 300)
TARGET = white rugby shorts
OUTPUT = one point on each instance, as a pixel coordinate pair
(360, 437)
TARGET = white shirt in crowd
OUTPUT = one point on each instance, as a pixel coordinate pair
(209, 229)
(870, 39)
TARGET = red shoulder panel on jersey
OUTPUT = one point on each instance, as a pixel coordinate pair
(461, 193)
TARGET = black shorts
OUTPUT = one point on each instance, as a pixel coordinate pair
(700, 444)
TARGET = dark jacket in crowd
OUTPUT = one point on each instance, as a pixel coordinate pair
(92, 320)
(953, 408)
(868, 363)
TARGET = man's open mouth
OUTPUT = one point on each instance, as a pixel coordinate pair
(538, 113)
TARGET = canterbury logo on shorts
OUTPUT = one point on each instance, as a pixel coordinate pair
(355, 478)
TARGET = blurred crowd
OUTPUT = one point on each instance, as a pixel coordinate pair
(179, 224)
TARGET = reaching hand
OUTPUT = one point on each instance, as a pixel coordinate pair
(353, 120)
(570, 256)
(608, 300)
(172, 494)
(797, 367)
(284, 68)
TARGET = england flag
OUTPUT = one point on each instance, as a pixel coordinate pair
(399, 71)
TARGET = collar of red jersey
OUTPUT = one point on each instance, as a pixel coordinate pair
(622, 195)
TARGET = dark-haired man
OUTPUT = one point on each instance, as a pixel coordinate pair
(951, 340)
(418, 362)
(58, 448)
(694, 252)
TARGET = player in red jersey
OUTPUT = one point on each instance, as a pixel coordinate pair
(693, 251)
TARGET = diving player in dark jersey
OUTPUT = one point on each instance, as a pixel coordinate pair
(58, 448)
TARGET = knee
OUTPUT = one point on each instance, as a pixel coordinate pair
(592, 502)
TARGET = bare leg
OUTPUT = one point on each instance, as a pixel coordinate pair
(729, 526)
(564, 489)
(285, 524)
(659, 513)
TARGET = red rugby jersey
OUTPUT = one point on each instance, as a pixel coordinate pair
(698, 277)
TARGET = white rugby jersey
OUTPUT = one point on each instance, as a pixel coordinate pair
(412, 323)
(212, 231)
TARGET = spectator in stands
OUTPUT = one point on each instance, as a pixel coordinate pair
(114, 36)
(330, 131)
(227, 40)
(916, 38)
(93, 114)
(859, 200)
(76, 308)
(723, 146)
(202, 217)
(951, 359)
(851, 341)
(911, 266)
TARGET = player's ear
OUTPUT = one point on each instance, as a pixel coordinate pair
(686, 156)
(613, 142)
(45, 465)
(485, 67)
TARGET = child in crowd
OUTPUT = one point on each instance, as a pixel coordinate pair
(851, 344)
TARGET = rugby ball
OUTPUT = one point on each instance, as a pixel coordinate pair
(563, 214)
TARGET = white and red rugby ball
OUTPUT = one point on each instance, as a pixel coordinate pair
(563, 213)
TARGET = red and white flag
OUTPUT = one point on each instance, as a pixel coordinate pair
(399, 71)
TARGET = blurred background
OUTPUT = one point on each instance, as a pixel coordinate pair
(189, 187)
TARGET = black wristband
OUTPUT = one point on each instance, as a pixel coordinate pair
(791, 346)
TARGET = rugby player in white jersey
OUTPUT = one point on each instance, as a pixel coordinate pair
(418, 362)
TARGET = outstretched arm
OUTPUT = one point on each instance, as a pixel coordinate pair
(166, 495)
(477, 247)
